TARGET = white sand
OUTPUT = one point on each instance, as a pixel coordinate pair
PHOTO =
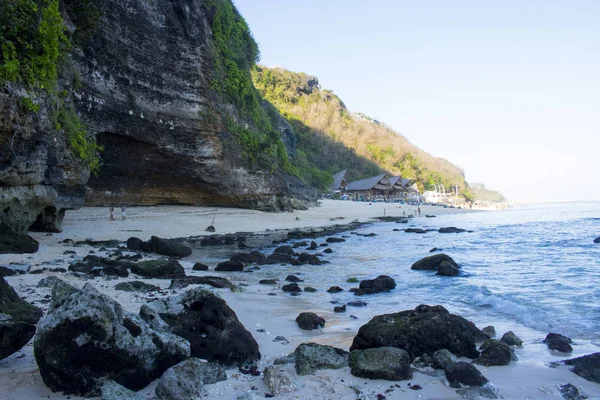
(530, 377)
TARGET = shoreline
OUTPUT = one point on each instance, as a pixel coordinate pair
(18, 372)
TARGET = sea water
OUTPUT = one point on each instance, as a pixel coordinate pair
(533, 270)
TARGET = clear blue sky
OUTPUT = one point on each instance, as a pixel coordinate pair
(508, 90)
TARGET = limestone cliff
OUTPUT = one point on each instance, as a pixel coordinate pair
(167, 103)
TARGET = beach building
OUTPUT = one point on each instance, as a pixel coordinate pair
(381, 186)
(339, 181)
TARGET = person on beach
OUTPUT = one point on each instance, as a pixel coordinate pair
(419, 211)
(112, 213)
(123, 212)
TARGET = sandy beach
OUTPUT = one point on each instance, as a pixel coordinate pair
(265, 317)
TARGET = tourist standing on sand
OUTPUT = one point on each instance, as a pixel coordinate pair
(112, 213)
(123, 212)
(419, 211)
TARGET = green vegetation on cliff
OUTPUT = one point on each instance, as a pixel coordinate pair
(237, 54)
(331, 139)
(34, 42)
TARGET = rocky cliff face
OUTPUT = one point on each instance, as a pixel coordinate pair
(39, 177)
(146, 76)
(142, 78)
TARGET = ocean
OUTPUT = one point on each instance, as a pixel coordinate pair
(533, 270)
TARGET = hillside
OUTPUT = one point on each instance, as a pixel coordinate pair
(481, 193)
(330, 138)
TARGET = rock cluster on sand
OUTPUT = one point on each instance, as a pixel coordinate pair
(311, 357)
(382, 283)
(464, 373)
(423, 330)
(387, 363)
(588, 367)
(165, 247)
(87, 338)
(186, 380)
(18, 319)
(558, 342)
(207, 322)
(495, 352)
(14, 243)
(309, 321)
(159, 269)
(511, 339)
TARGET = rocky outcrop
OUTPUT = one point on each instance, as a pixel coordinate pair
(186, 380)
(463, 373)
(495, 352)
(309, 321)
(279, 382)
(207, 322)
(588, 367)
(165, 247)
(311, 357)
(159, 269)
(597, 240)
(17, 320)
(136, 286)
(382, 283)
(511, 339)
(88, 338)
(387, 363)
(15, 243)
(432, 263)
(443, 359)
(423, 330)
(556, 341)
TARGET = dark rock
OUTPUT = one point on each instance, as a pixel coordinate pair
(495, 352)
(328, 251)
(214, 281)
(387, 363)
(48, 282)
(277, 258)
(99, 266)
(136, 286)
(289, 359)
(98, 243)
(339, 309)
(489, 331)
(306, 258)
(230, 266)
(335, 289)
(423, 330)
(311, 357)
(558, 342)
(159, 269)
(300, 244)
(169, 247)
(434, 250)
(447, 269)
(463, 373)
(207, 322)
(68, 252)
(5, 271)
(432, 263)
(268, 281)
(313, 245)
(186, 380)
(293, 278)
(443, 359)
(88, 338)
(382, 283)
(357, 303)
(254, 257)
(415, 230)
(570, 392)
(587, 367)
(511, 339)
(451, 229)
(292, 287)
(335, 240)
(324, 245)
(597, 240)
(137, 244)
(289, 250)
(309, 289)
(18, 319)
(14, 243)
(200, 267)
(309, 321)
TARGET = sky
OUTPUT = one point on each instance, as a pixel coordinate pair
(507, 90)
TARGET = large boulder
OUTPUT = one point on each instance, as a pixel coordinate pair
(279, 382)
(447, 269)
(556, 341)
(277, 258)
(389, 363)
(230, 266)
(309, 321)
(443, 359)
(382, 283)
(432, 263)
(254, 257)
(186, 380)
(311, 357)
(88, 338)
(495, 352)
(511, 339)
(169, 247)
(464, 373)
(207, 322)
(289, 250)
(17, 320)
(14, 243)
(588, 367)
(159, 269)
(423, 330)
